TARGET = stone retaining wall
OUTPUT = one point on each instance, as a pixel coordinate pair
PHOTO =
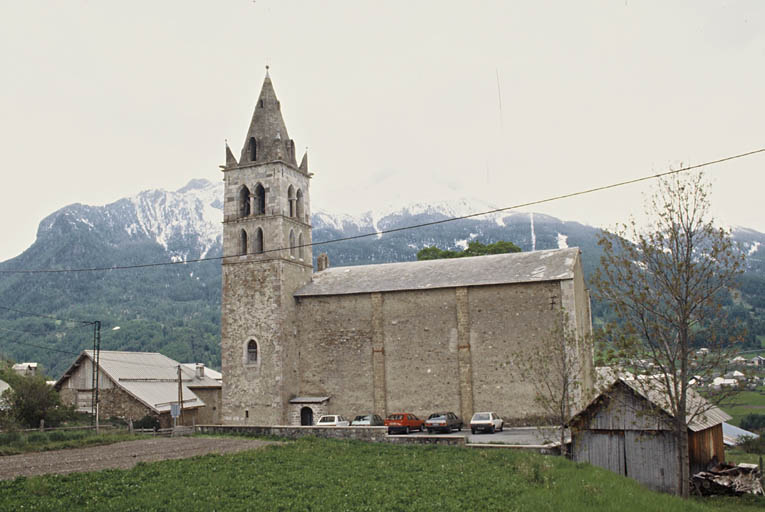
(373, 434)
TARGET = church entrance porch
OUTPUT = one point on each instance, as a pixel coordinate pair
(304, 409)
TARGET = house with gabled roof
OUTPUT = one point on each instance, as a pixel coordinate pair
(132, 385)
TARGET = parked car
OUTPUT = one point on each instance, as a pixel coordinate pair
(486, 422)
(367, 420)
(443, 422)
(332, 420)
(404, 422)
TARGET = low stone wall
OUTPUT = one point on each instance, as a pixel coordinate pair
(373, 434)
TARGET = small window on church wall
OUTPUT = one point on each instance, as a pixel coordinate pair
(243, 242)
(299, 204)
(252, 352)
(253, 149)
(291, 200)
(258, 246)
(292, 243)
(300, 246)
(244, 202)
(260, 200)
(261, 103)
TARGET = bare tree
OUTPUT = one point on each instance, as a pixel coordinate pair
(557, 363)
(665, 283)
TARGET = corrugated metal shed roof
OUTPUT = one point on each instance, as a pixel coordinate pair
(520, 267)
(732, 434)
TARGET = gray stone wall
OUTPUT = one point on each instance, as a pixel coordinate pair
(210, 413)
(424, 351)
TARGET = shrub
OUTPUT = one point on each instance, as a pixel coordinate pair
(754, 422)
(9, 438)
(752, 444)
(37, 438)
(147, 421)
(57, 435)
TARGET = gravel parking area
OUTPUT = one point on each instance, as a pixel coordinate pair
(122, 455)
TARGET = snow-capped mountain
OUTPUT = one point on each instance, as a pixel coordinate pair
(176, 309)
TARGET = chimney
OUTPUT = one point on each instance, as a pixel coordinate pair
(200, 371)
(322, 262)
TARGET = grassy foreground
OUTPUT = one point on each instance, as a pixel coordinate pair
(13, 443)
(313, 474)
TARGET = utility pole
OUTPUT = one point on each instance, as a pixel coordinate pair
(96, 369)
(180, 394)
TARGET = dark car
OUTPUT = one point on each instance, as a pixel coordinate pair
(443, 422)
(404, 422)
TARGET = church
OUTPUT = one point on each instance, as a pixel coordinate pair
(419, 337)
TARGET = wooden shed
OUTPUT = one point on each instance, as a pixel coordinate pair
(628, 430)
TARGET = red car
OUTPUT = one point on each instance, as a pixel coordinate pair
(404, 422)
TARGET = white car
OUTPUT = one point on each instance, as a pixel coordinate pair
(332, 420)
(486, 422)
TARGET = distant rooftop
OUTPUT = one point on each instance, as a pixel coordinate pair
(519, 267)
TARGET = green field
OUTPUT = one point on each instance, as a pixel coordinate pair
(743, 403)
(313, 474)
(14, 442)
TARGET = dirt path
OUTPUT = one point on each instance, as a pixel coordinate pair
(122, 455)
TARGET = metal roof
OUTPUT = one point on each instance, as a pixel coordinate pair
(150, 377)
(209, 372)
(519, 267)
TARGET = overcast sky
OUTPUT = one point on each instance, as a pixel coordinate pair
(504, 101)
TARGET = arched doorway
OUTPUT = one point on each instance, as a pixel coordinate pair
(306, 416)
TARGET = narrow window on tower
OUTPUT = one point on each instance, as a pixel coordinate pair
(299, 205)
(300, 246)
(292, 243)
(258, 241)
(253, 149)
(243, 242)
(291, 200)
(252, 352)
(260, 200)
(244, 202)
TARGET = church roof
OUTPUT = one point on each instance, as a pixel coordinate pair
(267, 128)
(519, 267)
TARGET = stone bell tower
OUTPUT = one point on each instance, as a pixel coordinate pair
(267, 256)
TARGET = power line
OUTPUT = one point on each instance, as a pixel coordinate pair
(404, 228)
(29, 313)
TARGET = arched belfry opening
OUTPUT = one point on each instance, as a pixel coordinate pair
(292, 243)
(291, 200)
(300, 246)
(258, 242)
(243, 242)
(260, 200)
(244, 202)
(299, 205)
(253, 149)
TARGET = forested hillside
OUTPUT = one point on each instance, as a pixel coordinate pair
(176, 309)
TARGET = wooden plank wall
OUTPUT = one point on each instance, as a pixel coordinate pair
(703, 446)
(651, 459)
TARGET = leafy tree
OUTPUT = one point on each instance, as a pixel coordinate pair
(664, 282)
(559, 362)
(30, 399)
(474, 248)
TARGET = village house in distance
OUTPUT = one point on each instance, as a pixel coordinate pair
(415, 336)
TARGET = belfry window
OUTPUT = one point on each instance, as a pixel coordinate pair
(299, 204)
(244, 202)
(243, 242)
(291, 200)
(260, 200)
(253, 149)
(300, 246)
(292, 243)
(252, 352)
